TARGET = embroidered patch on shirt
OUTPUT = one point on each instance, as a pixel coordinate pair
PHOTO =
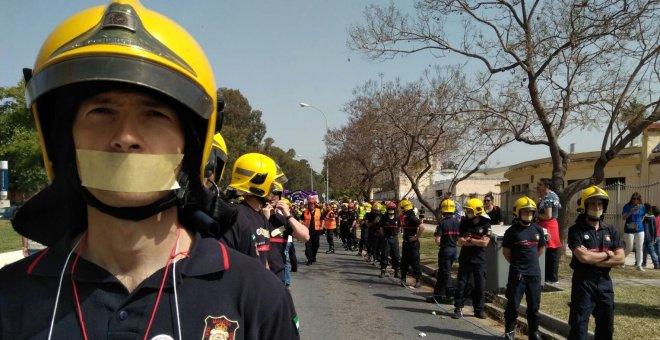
(220, 328)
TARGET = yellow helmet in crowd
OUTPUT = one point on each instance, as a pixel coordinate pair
(523, 203)
(447, 206)
(476, 205)
(405, 205)
(215, 165)
(592, 192)
(376, 207)
(254, 174)
(367, 206)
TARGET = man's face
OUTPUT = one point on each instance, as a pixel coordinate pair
(127, 122)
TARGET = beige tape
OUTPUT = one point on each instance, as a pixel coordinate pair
(128, 172)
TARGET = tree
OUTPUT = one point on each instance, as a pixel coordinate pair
(546, 67)
(19, 143)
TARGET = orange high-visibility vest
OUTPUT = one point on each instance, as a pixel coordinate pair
(330, 220)
(307, 216)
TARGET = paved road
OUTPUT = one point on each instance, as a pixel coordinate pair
(342, 297)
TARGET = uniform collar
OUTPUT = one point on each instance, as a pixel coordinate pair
(207, 256)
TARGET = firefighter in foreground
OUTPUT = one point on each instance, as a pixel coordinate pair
(446, 234)
(125, 104)
(412, 231)
(596, 247)
(522, 246)
(473, 237)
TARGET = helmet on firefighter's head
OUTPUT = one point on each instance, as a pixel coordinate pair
(367, 206)
(406, 205)
(215, 165)
(376, 206)
(476, 206)
(523, 203)
(447, 206)
(286, 200)
(253, 174)
(592, 193)
(390, 206)
(114, 46)
(312, 200)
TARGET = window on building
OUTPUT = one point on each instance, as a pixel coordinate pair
(615, 180)
(438, 193)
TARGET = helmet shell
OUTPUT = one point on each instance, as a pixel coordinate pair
(447, 206)
(591, 193)
(253, 174)
(523, 203)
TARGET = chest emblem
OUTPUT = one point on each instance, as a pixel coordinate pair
(480, 230)
(537, 237)
(586, 237)
(220, 328)
(607, 238)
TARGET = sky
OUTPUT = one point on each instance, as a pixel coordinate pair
(277, 53)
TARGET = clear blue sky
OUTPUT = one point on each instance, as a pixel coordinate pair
(277, 53)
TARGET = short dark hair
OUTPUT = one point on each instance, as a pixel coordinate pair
(546, 182)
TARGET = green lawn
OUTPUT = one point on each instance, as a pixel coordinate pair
(9, 239)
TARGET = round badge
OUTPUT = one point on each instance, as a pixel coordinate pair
(586, 237)
(162, 337)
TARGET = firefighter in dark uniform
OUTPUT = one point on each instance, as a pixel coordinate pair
(125, 105)
(446, 234)
(365, 208)
(412, 230)
(522, 245)
(389, 243)
(473, 237)
(312, 220)
(596, 247)
(373, 233)
(347, 221)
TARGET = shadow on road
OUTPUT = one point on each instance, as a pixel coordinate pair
(412, 310)
(398, 297)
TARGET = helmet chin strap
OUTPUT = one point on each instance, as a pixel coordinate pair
(131, 213)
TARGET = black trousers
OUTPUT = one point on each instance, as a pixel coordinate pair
(478, 273)
(591, 295)
(443, 284)
(330, 237)
(552, 264)
(515, 287)
(344, 233)
(389, 246)
(373, 242)
(293, 258)
(410, 258)
(312, 246)
(363, 239)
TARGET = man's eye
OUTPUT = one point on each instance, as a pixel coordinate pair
(100, 110)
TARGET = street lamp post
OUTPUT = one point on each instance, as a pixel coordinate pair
(327, 167)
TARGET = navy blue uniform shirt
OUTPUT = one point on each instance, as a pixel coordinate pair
(524, 243)
(473, 254)
(218, 289)
(601, 240)
(447, 230)
(249, 233)
(280, 231)
(390, 226)
(410, 225)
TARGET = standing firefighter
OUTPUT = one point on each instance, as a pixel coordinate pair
(330, 226)
(389, 243)
(445, 236)
(412, 230)
(522, 245)
(596, 248)
(312, 220)
(125, 105)
(473, 237)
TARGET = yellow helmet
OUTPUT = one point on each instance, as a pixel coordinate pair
(592, 192)
(447, 206)
(279, 175)
(476, 205)
(286, 200)
(367, 206)
(405, 205)
(122, 43)
(376, 206)
(254, 174)
(215, 165)
(523, 203)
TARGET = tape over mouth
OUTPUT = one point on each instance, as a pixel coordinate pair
(128, 172)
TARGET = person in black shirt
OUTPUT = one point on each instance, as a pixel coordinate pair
(493, 211)
(522, 245)
(372, 219)
(446, 234)
(473, 237)
(596, 247)
(412, 231)
(389, 242)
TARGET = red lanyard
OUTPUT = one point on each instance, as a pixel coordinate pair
(173, 254)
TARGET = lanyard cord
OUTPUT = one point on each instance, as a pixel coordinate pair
(173, 254)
